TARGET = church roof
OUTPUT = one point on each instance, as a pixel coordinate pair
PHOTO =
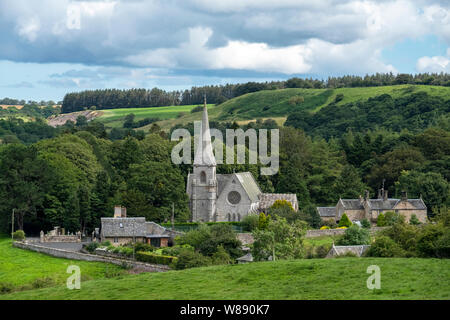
(267, 199)
(249, 184)
(204, 154)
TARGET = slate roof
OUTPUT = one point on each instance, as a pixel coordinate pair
(250, 185)
(352, 204)
(123, 227)
(266, 200)
(327, 211)
(154, 230)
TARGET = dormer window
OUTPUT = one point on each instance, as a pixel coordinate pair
(121, 225)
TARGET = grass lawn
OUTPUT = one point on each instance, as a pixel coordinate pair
(318, 241)
(21, 269)
(341, 278)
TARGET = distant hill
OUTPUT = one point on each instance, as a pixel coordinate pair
(276, 104)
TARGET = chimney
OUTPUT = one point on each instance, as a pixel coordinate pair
(380, 193)
(385, 195)
(360, 199)
(120, 212)
(404, 196)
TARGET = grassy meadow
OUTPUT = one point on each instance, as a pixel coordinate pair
(21, 269)
(340, 278)
(273, 104)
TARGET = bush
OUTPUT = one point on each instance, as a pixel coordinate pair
(221, 256)
(384, 246)
(381, 220)
(155, 258)
(191, 259)
(344, 221)
(6, 287)
(414, 220)
(324, 227)
(197, 109)
(92, 246)
(322, 251)
(176, 250)
(250, 222)
(140, 246)
(354, 236)
(329, 223)
(365, 224)
(405, 236)
(433, 241)
(391, 218)
(18, 235)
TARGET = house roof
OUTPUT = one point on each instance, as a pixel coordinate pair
(352, 204)
(266, 200)
(246, 258)
(123, 227)
(327, 211)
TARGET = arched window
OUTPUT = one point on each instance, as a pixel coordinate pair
(229, 217)
(203, 177)
(239, 216)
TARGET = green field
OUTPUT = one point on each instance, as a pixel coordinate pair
(263, 104)
(114, 117)
(342, 278)
(275, 103)
(21, 269)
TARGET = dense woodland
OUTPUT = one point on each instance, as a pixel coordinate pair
(74, 174)
(133, 98)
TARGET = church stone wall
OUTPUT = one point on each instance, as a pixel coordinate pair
(236, 211)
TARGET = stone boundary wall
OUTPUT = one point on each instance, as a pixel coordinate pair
(335, 232)
(90, 257)
(73, 238)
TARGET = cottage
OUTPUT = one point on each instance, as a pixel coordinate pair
(366, 208)
(120, 230)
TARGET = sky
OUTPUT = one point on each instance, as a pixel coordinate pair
(52, 47)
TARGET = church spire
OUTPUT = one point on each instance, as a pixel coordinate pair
(204, 154)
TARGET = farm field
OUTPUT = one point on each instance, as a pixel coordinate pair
(340, 278)
(114, 117)
(21, 269)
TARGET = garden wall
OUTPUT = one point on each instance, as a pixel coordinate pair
(90, 257)
(335, 232)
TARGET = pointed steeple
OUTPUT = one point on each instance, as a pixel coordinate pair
(204, 154)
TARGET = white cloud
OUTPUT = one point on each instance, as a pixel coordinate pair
(434, 64)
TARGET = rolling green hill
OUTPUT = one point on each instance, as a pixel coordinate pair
(342, 278)
(265, 104)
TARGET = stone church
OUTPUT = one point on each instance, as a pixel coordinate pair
(224, 197)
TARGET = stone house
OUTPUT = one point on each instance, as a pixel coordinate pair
(223, 197)
(123, 230)
(366, 208)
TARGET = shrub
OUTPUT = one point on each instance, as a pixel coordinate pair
(405, 236)
(384, 246)
(92, 246)
(381, 220)
(391, 217)
(354, 236)
(6, 287)
(221, 256)
(140, 246)
(329, 223)
(191, 259)
(176, 250)
(338, 97)
(344, 221)
(414, 220)
(250, 222)
(433, 241)
(18, 235)
(197, 109)
(324, 227)
(263, 221)
(365, 224)
(106, 243)
(322, 251)
(155, 258)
